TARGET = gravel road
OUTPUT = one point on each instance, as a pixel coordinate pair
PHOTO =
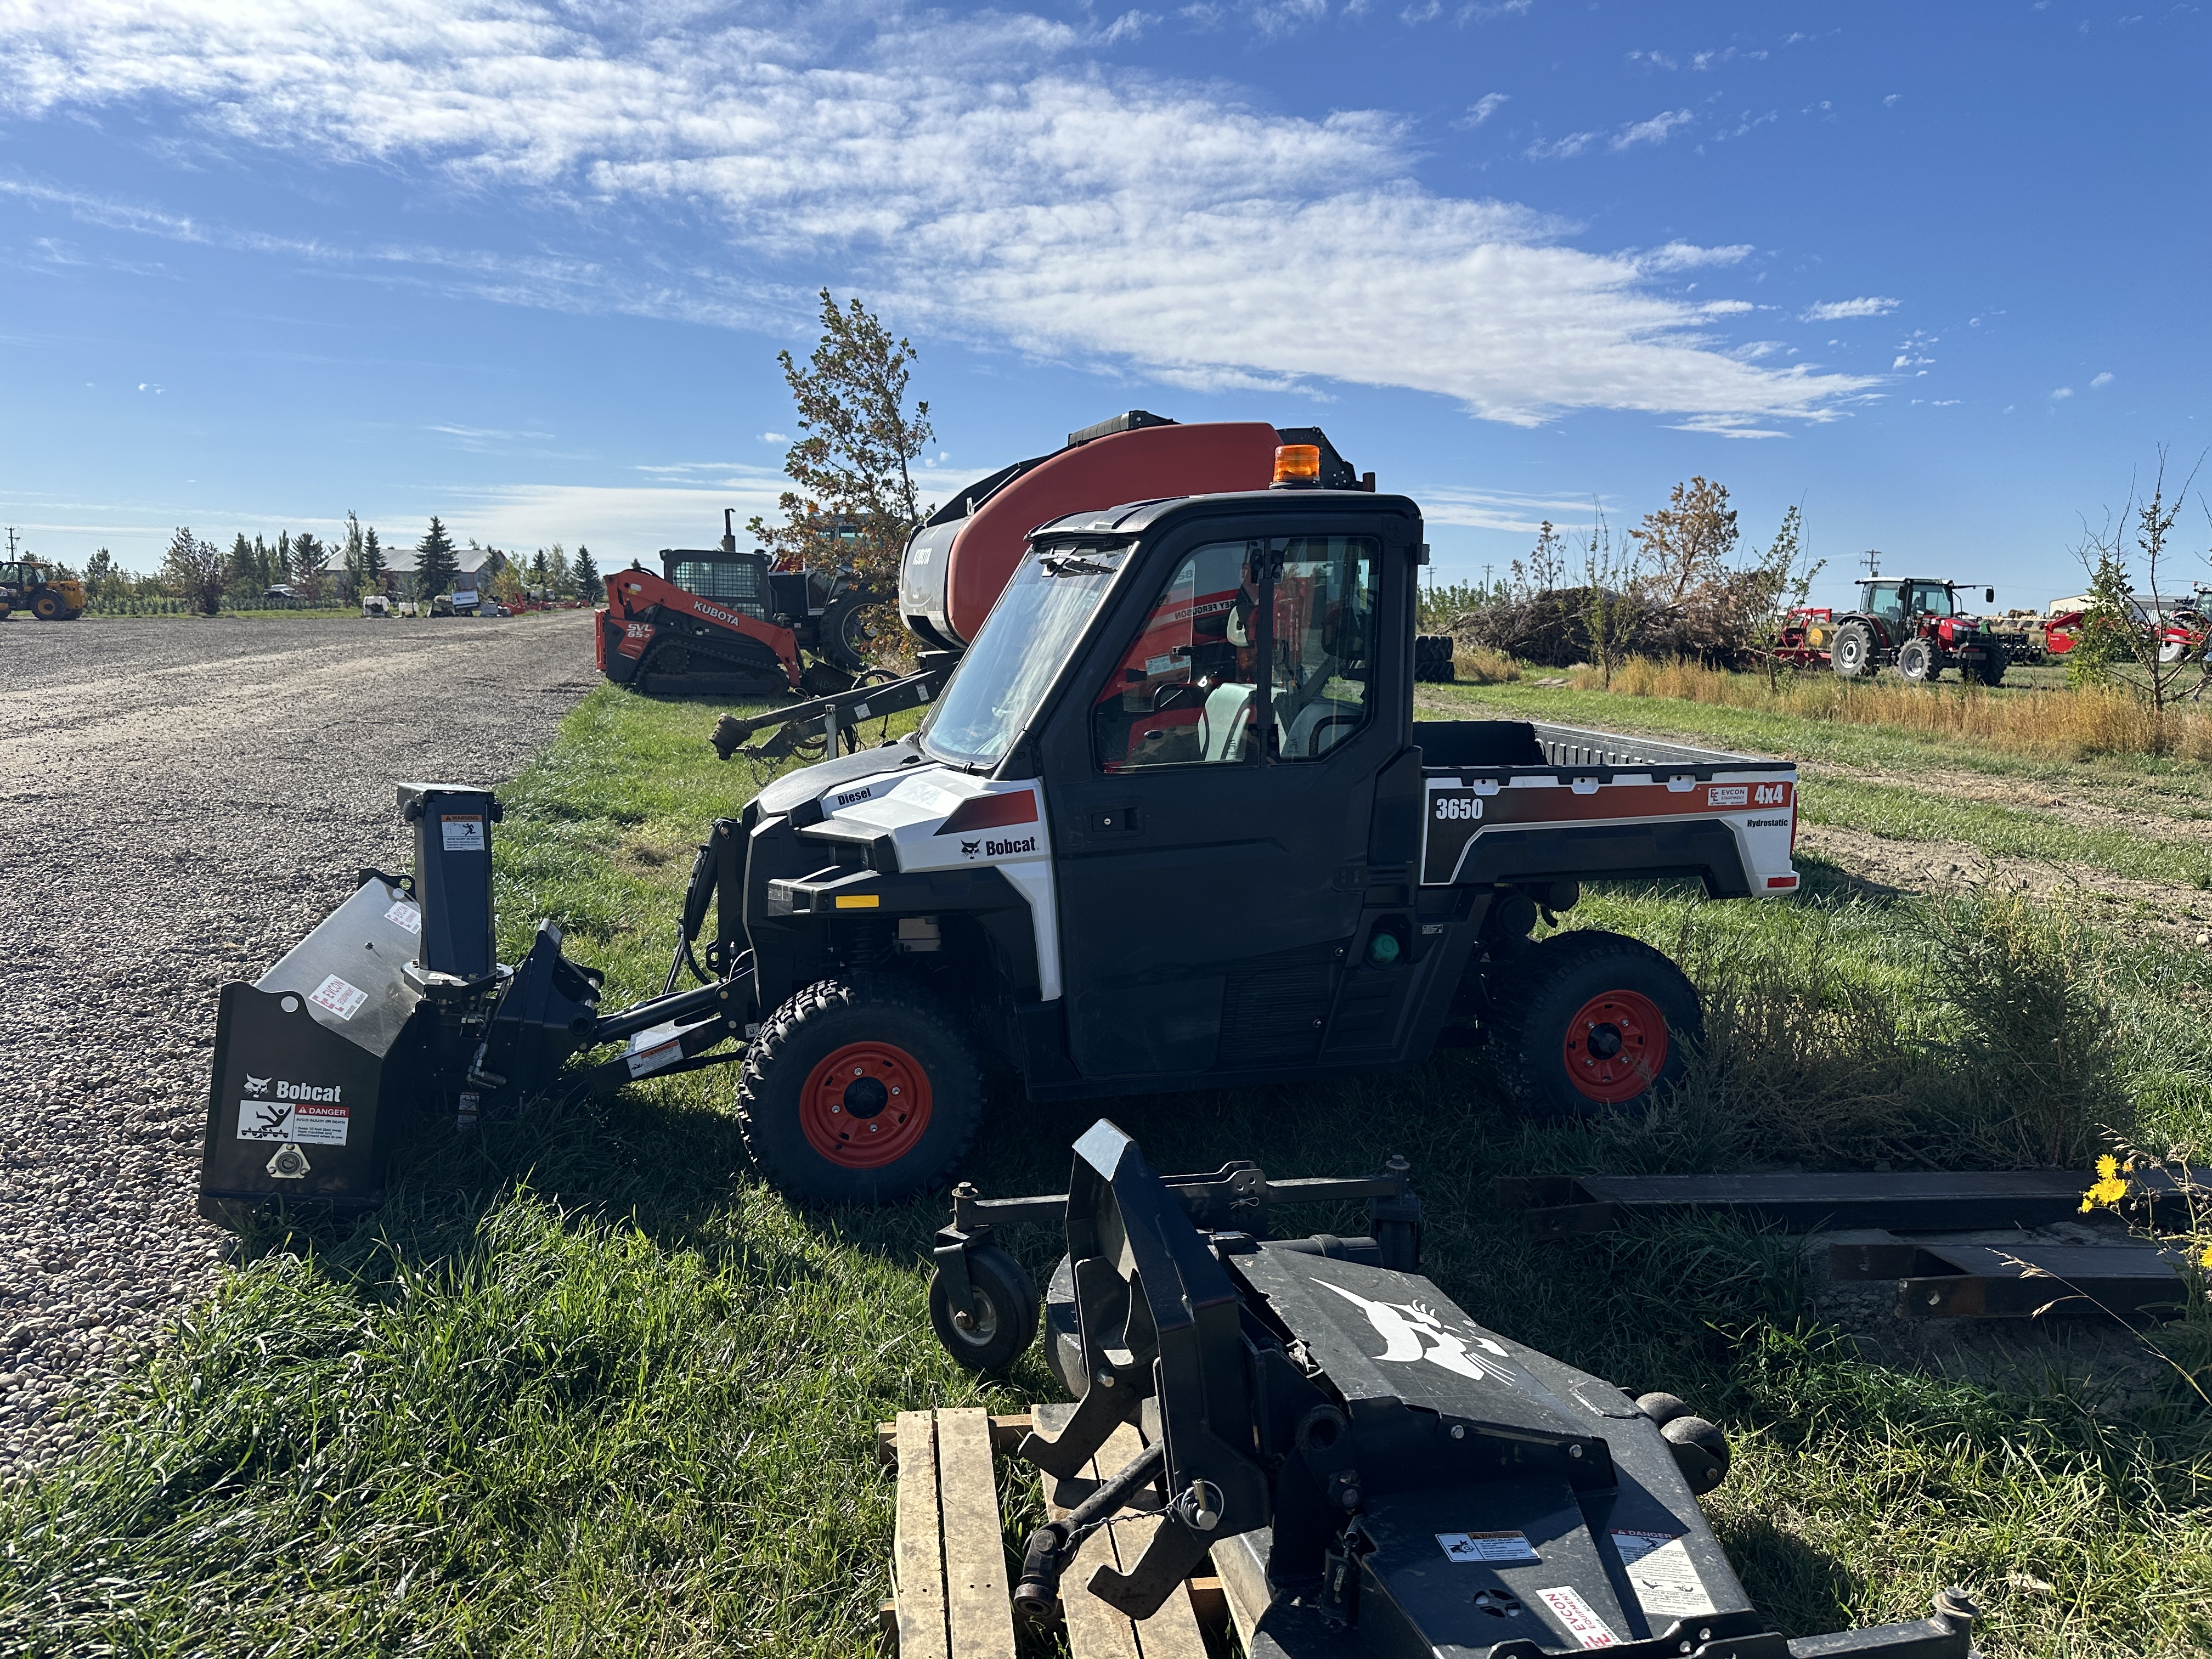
(180, 801)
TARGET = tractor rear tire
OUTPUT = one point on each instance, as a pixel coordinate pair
(48, 607)
(860, 1090)
(845, 637)
(1851, 654)
(1917, 664)
(1592, 1022)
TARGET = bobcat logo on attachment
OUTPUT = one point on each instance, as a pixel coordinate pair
(1412, 1332)
(969, 848)
(255, 1086)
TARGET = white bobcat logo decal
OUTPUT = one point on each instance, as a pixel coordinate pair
(1412, 1332)
(255, 1086)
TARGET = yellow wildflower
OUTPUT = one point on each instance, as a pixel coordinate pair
(2107, 1167)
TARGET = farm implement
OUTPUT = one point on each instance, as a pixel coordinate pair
(1308, 1435)
(1169, 824)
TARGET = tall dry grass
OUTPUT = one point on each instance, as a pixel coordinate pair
(2001, 1052)
(2056, 724)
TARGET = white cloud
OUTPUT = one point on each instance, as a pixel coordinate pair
(774, 438)
(2061, 393)
(2104, 378)
(1653, 131)
(1832, 311)
(1483, 108)
(979, 177)
(1561, 150)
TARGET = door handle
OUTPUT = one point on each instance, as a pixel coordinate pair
(1117, 820)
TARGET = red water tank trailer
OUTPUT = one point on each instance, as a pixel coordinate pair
(958, 561)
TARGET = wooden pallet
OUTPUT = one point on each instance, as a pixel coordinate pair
(952, 1597)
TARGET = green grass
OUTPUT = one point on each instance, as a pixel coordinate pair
(585, 1387)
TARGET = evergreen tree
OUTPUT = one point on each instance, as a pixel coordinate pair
(587, 577)
(435, 561)
(559, 578)
(372, 563)
(311, 560)
(243, 562)
(349, 559)
(540, 570)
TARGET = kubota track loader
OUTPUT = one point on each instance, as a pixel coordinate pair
(719, 623)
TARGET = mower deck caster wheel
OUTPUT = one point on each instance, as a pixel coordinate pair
(996, 1326)
(1701, 1451)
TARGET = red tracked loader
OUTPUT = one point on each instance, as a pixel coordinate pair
(719, 623)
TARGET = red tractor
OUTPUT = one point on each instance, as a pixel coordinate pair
(1917, 625)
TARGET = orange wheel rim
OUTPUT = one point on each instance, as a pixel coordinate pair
(1616, 1044)
(865, 1105)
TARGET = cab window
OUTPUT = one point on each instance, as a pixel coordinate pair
(1928, 600)
(1185, 691)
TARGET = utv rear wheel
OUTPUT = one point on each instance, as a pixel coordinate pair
(1852, 653)
(1592, 1022)
(860, 1091)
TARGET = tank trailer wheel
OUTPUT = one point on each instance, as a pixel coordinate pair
(1915, 662)
(1853, 650)
(862, 1090)
(1593, 1021)
(1001, 1316)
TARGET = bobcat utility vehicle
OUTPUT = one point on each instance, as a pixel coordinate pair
(1170, 824)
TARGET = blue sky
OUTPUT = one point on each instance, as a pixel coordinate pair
(1938, 273)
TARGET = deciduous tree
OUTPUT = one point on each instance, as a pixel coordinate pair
(197, 569)
(856, 501)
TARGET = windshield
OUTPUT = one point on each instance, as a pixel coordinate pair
(1027, 639)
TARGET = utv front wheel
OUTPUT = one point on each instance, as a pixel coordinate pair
(1593, 1021)
(860, 1091)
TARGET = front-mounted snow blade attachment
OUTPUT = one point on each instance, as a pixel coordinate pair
(1373, 1473)
(396, 1013)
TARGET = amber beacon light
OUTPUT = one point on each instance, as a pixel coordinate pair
(1297, 466)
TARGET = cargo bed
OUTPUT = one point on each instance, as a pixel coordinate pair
(1517, 801)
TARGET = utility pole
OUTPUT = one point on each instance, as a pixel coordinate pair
(11, 543)
(1872, 560)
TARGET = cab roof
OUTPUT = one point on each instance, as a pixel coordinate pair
(1133, 518)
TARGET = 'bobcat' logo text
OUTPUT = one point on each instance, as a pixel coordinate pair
(998, 849)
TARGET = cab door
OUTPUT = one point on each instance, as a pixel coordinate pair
(1212, 773)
